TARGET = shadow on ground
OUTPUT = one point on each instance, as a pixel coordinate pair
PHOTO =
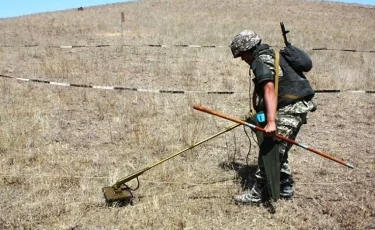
(244, 173)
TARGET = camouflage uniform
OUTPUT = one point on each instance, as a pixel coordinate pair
(289, 121)
(289, 118)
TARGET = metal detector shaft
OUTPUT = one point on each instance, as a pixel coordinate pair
(206, 110)
(140, 172)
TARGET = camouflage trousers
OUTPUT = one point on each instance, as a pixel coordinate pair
(289, 121)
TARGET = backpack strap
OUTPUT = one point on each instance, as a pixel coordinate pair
(277, 72)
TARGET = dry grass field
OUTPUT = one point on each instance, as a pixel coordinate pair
(60, 145)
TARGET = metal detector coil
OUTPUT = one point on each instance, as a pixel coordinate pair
(122, 195)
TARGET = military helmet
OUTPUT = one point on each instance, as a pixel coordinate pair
(244, 41)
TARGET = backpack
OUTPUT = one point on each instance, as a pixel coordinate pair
(298, 59)
(294, 62)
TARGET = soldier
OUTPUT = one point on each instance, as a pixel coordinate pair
(284, 113)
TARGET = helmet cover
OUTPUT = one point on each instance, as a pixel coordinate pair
(244, 41)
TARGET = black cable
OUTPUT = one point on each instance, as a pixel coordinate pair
(132, 189)
(250, 145)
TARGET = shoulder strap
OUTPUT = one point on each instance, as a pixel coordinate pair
(277, 61)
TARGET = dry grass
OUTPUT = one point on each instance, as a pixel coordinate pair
(60, 145)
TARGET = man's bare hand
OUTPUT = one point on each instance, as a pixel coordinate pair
(270, 129)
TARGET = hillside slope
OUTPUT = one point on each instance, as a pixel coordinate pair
(61, 143)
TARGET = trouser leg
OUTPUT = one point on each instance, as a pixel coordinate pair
(268, 164)
(288, 126)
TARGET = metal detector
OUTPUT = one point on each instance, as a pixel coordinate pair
(121, 194)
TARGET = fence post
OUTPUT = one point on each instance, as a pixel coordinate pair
(122, 27)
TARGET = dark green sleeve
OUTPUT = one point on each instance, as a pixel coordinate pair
(261, 71)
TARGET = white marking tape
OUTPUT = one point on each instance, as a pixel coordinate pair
(59, 83)
(102, 87)
(161, 91)
(181, 45)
